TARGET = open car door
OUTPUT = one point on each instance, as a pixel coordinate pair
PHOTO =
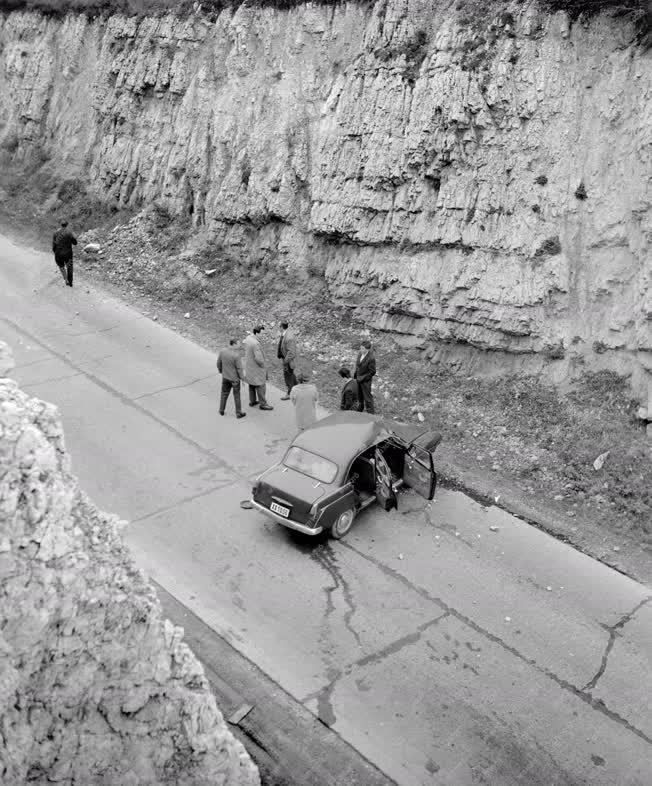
(418, 471)
(385, 493)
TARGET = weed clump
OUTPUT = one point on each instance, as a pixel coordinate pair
(549, 248)
(580, 191)
(414, 49)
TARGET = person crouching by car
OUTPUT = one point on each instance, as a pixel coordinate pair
(255, 370)
(349, 398)
(304, 396)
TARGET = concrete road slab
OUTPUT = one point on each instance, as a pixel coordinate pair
(249, 578)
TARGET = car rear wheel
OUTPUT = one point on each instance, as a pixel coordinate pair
(343, 524)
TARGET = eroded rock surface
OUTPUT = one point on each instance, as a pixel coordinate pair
(95, 687)
(478, 184)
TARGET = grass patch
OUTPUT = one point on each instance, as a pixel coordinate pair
(38, 199)
(143, 8)
(549, 248)
(474, 11)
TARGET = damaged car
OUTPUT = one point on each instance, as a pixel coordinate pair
(342, 465)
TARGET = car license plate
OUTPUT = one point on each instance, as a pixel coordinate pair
(285, 512)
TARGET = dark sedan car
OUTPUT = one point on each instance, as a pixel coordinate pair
(340, 466)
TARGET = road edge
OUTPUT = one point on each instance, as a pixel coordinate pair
(288, 743)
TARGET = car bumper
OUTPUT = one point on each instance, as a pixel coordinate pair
(287, 522)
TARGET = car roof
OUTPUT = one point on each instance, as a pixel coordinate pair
(342, 436)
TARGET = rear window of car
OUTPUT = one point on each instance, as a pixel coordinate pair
(310, 464)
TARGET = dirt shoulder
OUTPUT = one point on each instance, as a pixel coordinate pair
(510, 441)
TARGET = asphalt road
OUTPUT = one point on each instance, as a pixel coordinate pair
(444, 652)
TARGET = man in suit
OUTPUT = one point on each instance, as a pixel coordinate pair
(365, 370)
(287, 351)
(254, 369)
(229, 364)
(62, 242)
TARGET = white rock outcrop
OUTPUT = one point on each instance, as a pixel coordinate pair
(95, 686)
(478, 184)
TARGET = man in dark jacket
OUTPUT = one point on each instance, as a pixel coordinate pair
(287, 352)
(365, 370)
(62, 242)
(349, 398)
(229, 364)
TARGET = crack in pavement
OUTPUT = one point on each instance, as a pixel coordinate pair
(31, 363)
(182, 501)
(52, 379)
(174, 387)
(614, 632)
(324, 695)
(597, 704)
(325, 556)
(96, 360)
(95, 331)
(48, 359)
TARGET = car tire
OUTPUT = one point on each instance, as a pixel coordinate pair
(343, 524)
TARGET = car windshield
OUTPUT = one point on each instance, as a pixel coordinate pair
(310, 464)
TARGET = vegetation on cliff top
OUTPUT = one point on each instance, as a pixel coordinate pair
(640, 9)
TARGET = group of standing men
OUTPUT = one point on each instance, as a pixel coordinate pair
(253, 371)
(356, 393)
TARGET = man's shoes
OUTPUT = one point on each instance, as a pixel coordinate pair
(285, 398)
(265, 406)
(253, 404)
(241, 415)
(221, 413)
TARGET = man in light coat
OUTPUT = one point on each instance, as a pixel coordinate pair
(304, 397)
(229, 364)
(255, 371)
(287, 351)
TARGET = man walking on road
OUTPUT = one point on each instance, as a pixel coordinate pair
(229, 365)
(254, 369)
(287, 351)
(62, 242)
(365, 370)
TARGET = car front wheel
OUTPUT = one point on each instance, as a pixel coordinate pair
(343, 524)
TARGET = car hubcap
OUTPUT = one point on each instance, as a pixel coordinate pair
(344, 522)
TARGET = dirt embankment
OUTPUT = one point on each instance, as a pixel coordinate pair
(95, 686)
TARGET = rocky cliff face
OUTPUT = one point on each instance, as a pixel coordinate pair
(95, 687)
(478, 183)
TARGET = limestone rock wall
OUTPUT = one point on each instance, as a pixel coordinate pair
(95, 687)
(476, 182)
